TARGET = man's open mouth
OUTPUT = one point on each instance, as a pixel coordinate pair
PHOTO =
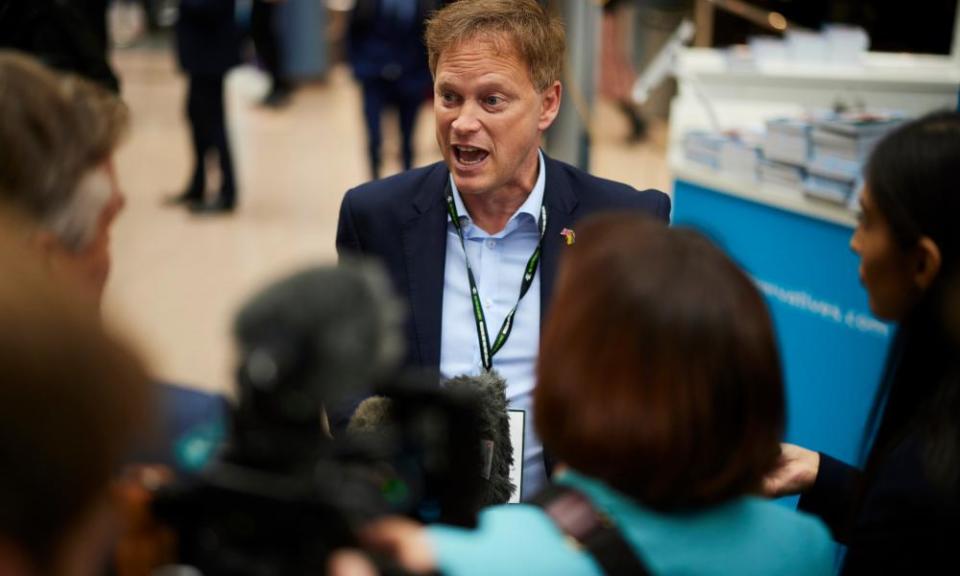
(468, 155)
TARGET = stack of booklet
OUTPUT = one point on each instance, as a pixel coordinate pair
(732, 152)
(703, 147)
(841, 145)
(786, 151)
(740, 154)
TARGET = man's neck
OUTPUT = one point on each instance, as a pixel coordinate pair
(491, 211)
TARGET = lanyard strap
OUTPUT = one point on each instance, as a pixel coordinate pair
(486, 351)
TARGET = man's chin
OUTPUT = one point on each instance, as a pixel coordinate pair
(470, 184)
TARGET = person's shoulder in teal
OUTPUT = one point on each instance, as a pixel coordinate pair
(743, 536)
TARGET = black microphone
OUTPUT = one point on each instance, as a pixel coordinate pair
(306, 342)
(485, 398)
(488, 391)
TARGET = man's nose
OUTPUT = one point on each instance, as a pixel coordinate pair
(467, 119)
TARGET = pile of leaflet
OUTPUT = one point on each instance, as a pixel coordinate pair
(841, 145)
(732, 152)
(703, 147)
(740, 154)
(786, 151)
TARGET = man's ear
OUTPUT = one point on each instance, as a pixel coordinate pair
(928, 263)
(549, 105)
(47, 245)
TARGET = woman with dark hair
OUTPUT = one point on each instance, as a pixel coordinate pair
(659, 388)
(900, 513)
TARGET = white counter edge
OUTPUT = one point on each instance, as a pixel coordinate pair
(759, 192)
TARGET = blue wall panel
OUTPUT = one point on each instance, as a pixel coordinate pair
(832, 348)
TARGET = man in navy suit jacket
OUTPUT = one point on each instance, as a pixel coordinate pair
(473, 242)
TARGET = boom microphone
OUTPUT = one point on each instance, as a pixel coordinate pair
(485, 398)
(309, 341)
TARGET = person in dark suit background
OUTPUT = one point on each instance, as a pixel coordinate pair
(68, 36)
(266, 41)
(900, 513)
(386, 51)
(496, 203)
(208, 47)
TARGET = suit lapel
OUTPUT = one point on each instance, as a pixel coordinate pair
(561, 201)
(424, 245)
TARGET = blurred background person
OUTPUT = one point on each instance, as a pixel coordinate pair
(667, 450)
(617, 73)
(899, 514)
(208, 47)
(58, 137)
(389, 60)
(266, 42)
(66, 35)
(72, 401)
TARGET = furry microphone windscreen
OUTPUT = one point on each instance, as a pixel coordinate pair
(488, 391)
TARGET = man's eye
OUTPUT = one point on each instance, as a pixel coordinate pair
(493, 100)
(448, 97)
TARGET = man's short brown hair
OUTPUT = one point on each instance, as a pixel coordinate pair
(54, 128)
(658, 369)
(523, 26)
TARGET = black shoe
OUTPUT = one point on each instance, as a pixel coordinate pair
(217, 207)
(277, 98)
(183, 199)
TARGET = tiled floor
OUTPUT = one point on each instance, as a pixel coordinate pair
(178, 279)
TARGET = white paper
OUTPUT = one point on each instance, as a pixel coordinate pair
(517, 423)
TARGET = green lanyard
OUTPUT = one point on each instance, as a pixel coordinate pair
(486, 351)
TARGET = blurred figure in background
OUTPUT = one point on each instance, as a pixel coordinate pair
(386, 50)
(617, 73)
(58, 136)
(899, 515)
(263, 28)
(659, 390)
(68, 36)
(72, 401)
(208, 47)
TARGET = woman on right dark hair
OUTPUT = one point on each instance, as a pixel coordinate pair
(901, 513)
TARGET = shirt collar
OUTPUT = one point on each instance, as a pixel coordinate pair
(530, 206)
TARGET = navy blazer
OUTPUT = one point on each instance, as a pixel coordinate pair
(402, 220)
(208, 43)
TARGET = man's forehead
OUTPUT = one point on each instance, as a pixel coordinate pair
(494, 44)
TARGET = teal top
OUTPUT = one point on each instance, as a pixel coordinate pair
(745, 536)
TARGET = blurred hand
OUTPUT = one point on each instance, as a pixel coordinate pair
(796, 471)
(351, 563)
(402, 540)
(144, 545)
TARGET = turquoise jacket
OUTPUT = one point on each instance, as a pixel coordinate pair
(741, 537)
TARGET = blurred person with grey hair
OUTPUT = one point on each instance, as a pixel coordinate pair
(73, 398)
(58, 136)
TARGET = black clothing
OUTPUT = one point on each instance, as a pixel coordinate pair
(60, 35)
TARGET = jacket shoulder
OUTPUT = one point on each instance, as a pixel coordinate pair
(597, 194)
(397, 190)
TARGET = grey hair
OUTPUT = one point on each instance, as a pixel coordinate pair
(55, 130)
(75, 222)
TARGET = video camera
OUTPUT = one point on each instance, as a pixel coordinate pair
(284, 493)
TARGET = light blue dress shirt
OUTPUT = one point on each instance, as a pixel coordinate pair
(498, 262)
(742, 537)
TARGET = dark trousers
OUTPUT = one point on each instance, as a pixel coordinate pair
(263, 29)
(406, 97)
(209, 132)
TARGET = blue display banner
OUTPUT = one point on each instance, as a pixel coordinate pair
(831, 347)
